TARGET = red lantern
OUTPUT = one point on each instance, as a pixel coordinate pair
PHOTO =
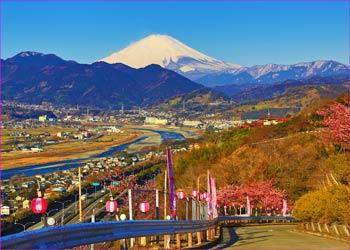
(111, 206)
(201, 196)
(39, 205)
(194, 193)
(144, 207)
(181, 195)
(205, 195)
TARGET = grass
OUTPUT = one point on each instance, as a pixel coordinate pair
(65, 150)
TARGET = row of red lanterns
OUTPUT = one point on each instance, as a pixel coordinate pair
(195, 194)
(39, 205)
(112, 206)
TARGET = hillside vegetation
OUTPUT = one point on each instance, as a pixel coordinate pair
(289, 101)
(293, 154)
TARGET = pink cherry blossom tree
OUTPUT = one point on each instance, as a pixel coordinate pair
(336, 119)
(261, 194)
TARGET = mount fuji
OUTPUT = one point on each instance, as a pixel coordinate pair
(170, 53)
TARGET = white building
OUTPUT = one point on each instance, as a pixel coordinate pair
(192, 123)
(154, 120)
(5, 210)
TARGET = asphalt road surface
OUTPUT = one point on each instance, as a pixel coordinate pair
(274, 237)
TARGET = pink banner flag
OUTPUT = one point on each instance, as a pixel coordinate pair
(214, 202)
(209, 197)
(284, 209)
(248, 207)
(171, 184)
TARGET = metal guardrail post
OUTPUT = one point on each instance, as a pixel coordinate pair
(178, 241)
(189, 236)
(186, 208)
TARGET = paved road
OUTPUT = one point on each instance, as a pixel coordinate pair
(274, 237)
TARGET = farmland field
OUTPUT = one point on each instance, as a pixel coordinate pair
(64, 150)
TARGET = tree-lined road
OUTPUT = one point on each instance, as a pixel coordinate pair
(274, 237)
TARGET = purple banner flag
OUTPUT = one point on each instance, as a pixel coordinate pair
(171, 184)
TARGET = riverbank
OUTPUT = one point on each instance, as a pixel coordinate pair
(66, 151)
(141, 139)
(153, 139)
(156, 134)
(72, 154)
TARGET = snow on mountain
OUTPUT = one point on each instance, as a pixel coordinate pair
(172, 54)
(271, 73)
(168, 53)
(300, 70)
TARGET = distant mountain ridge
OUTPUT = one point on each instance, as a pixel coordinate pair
(33, 77)
(253, 92)
(272, 73)
(170, 53)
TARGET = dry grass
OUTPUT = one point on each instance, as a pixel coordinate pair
(65, 151)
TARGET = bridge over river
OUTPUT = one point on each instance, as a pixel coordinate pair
(202, 231)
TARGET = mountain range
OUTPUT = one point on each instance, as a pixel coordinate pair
(172, 54)
(155, 70)
(33, 77)
(253, 92)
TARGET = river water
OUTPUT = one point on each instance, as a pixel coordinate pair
(74, 163)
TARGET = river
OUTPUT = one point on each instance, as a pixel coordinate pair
(74, 163)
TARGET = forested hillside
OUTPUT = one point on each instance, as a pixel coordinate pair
(295, 155)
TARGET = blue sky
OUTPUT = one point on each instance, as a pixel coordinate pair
(247, 33)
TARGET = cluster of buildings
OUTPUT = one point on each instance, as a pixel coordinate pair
(19, 190)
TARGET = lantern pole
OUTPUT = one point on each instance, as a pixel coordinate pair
(157, 211)
(80, 203)
(130, 214)
(130, 204)
(39, 194)
(186, 208)
(165, 189)
(92, 246)
(44, 219)
(157, 204)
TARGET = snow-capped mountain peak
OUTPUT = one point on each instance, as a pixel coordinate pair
(169, 53)
(172, 54)
(29, 53)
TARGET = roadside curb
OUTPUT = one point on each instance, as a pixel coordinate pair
(322, 235)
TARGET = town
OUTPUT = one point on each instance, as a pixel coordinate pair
(87, 126)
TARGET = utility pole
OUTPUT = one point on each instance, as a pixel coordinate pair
(165, 189)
